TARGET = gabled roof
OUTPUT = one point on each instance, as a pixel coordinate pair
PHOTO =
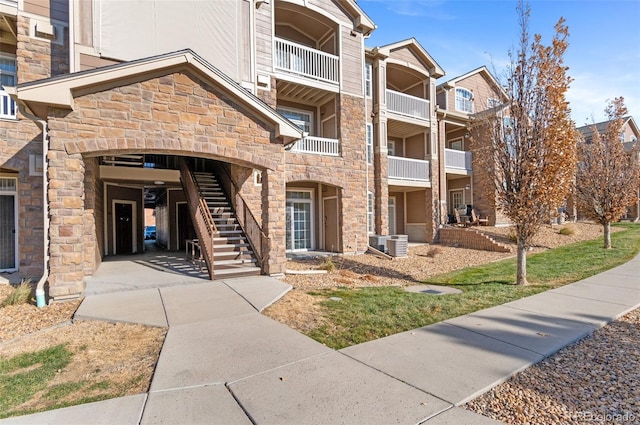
(481, 70)
(434, 68)
(362, 20)
(602, 126)
(60, 91)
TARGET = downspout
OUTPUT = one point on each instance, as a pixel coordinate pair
(40, 294)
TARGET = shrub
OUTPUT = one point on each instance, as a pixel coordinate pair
(567, 231)
(327, 265)
(21, 294)
(434, 251)
(513, 237)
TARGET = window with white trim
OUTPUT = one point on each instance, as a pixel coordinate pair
(303, 119)
(8, 107)
(464, 100)
(456, 145)
(368, 79)
(492, 102)
(370, 224)
(391, 148)
(369, 143)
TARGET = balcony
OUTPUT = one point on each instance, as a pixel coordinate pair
(457, 160)
(407, 105)
(317, 146)
(8, 108)
(303, 61)
(409, 169)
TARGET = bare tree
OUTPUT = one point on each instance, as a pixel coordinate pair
(607, 177)
(527, 146)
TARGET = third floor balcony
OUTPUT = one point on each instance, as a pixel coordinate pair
(305, 62)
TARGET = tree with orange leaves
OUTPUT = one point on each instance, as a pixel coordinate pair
(527, 146)
(607, 177)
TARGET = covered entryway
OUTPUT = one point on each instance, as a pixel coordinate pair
(168, 106)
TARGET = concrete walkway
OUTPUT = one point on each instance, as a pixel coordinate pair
(224, 363)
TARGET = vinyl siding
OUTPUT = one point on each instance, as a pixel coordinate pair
(351, 62)
(404, 54)
(480, 87)
(54, 9)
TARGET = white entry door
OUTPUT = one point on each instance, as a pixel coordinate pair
(299, 220)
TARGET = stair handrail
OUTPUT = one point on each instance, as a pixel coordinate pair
(203, 221)
(246, 219)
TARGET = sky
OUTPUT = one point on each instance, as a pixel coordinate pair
(604, 41)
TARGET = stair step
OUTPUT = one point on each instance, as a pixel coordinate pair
(245, 261)
(227, 239)
(236, 272)
(233, 255)
(222, 233)
(229, 246)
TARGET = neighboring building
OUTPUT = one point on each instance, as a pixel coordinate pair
(460, 100)
(264, 127)
(629, 137)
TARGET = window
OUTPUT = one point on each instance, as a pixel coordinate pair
(391, 148)
(7, 70)
(456, 145)
(464, 100)
(370, 224)
(369, 143)
(493, 102)
(303, 119)
(508, 131)
(8, 107)
(368, 79)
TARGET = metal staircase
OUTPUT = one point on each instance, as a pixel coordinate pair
(231, 251)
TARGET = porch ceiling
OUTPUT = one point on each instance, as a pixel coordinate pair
(397, 128)
(302, 94)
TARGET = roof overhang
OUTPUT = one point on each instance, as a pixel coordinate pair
(481, 70)
(362, 20)
(434, 68)
(60, 91)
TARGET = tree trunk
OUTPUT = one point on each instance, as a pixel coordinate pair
(521, 273)
(607, 235)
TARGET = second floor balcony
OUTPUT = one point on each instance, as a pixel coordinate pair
(8, 108)
(408, 106)
(409, 169)
(456, 160)
(302, 61)
(317, 146)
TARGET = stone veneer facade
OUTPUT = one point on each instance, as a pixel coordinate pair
(176, 114)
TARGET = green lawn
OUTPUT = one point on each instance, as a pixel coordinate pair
(370, 313)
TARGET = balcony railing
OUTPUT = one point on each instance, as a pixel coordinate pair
(8, 108)
(305, 61)
(457, 159)
(407, 105)
(409, 169)
(317, 146)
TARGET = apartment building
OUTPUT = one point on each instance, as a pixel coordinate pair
(264, 127)
(629, 136)
(460, 100)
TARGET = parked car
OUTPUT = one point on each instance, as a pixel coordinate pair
(150, 232)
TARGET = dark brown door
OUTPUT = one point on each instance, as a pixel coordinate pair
(124, 228)
(185, 226)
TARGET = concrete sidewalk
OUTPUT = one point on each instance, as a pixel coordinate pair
(223, 362)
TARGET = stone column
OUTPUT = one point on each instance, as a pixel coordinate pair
(274, 221)
(380, 158)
